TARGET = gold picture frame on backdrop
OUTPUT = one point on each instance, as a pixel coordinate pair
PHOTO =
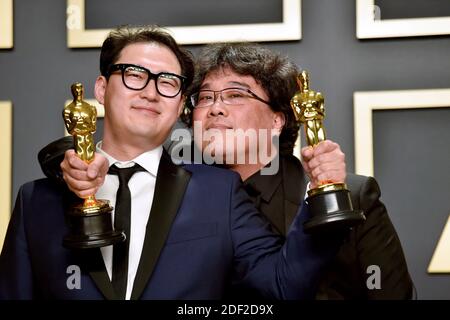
(289, 29)
(100, 110)
(364, 103)
(368, 27)
(5, 166)
(6, 24)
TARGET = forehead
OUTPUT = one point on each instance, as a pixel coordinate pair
(226, 77)
(155, 56)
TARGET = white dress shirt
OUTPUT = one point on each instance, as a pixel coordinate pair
(142, 189)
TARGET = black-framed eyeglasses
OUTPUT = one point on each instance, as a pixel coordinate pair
(229, 96)
(136, 77)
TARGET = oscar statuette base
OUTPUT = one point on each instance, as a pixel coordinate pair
(91, 227)
(331, 209)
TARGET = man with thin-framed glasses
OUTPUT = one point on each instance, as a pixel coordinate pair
(248, 87)
(192, 230)
(231, 96)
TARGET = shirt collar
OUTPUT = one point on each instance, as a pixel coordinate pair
(148, 160)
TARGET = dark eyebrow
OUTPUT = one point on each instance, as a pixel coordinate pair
(145, 68)
(231, 83)
(204, 86)
(241, 84)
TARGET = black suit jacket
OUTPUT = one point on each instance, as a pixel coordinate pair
(374, 242)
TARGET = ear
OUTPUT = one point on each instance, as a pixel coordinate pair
(278, 121)
(100, 89)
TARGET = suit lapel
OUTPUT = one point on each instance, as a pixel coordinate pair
(91, 259)
(171, 183)
(97, 271)
(294, 185)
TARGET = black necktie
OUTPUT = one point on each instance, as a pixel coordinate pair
(122, 221)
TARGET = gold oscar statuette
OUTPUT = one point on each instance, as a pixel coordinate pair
(330, 203)
(90, 222)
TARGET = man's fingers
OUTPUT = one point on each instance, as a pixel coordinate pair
(307, 153)
(69, 153)
(326, 164)
(336, 156)
(80, 175)
(329, 175)
(86, 193)
(321, 169)
(74, 161)
(100, 181)
(81, 178)
(77, 185)
(325, 147)
(98, 167)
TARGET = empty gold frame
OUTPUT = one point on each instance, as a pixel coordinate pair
(288, 29)
(367, 26)
(366, 102)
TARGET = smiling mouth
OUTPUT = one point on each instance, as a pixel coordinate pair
(219, 126)
(148, 110)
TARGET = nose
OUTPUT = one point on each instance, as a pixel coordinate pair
(149, 92)
(218, 107)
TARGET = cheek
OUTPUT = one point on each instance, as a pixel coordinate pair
(243, 120)
(262, 120)
(117, 110)
(198, 120)
(198, 114)
(172, 108)
(115, 101)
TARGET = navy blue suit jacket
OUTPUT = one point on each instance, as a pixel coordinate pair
(203, 233)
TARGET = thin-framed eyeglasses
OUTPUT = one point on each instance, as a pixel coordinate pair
(229, 96)
(136, 78)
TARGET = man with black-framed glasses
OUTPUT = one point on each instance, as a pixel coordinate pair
(192, 228)
(136, 78)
